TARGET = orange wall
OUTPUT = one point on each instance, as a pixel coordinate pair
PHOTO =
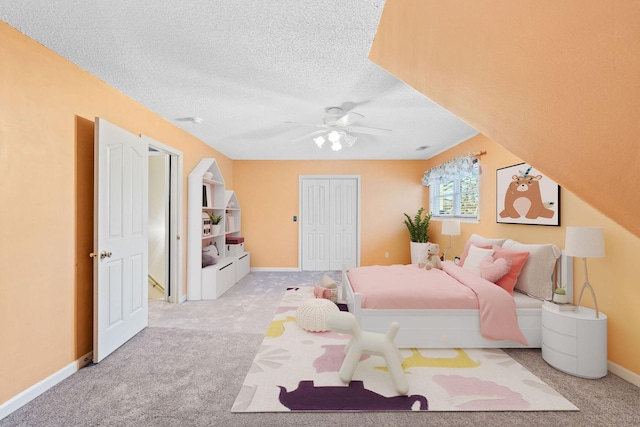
(546, 79)
(268, 194)
(47, 112)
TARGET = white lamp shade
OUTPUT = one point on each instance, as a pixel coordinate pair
(584, 242)
(451, 227)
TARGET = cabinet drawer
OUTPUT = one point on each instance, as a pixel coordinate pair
(242, 266)
(563, 343)
(560, 323)
(564, 362)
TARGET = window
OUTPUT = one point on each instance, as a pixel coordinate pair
(454, 189)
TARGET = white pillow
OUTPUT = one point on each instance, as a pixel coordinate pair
(478, 239)
(535, 279)
(475, 256)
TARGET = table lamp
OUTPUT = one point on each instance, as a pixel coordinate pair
(450, 228)
(585, 242)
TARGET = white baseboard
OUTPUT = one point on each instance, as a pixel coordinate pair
(275, 269)
(624, 373)
(36, 390)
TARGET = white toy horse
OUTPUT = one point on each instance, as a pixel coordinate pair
(368, 343)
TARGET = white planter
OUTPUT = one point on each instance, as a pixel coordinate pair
(560, 299)
(217, 229)
(418, 252)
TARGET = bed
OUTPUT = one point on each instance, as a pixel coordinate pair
(484, 313)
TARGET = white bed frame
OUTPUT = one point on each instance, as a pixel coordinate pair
(443, 328)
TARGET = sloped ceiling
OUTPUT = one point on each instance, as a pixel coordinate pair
(245, 67)
(555, 83)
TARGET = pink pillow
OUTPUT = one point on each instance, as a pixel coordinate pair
(465, 252)
(493, 269)
(518, 259)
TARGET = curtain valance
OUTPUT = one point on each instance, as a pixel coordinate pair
(460, 167)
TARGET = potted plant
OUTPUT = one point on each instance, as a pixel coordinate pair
(215, 220)
(560, 296)
(418, 227)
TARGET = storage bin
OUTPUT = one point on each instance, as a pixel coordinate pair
(235, 250)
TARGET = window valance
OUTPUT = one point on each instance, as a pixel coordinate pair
(460, 167)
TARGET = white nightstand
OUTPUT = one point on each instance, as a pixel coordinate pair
(575, 342)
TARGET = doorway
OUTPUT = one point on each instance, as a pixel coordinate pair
(159, 225)
(165, 219)
(329, 222)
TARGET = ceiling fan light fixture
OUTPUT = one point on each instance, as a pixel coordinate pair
(319, 140)
(349, 139)
(336, 146)
(334, 136)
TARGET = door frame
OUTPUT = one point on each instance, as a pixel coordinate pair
(175, 287)
(301, 178)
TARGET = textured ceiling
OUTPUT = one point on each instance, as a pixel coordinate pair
(245, 67)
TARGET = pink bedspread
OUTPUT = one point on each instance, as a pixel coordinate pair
(409, 287)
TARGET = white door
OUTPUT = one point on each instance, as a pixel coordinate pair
(344, 225)
(329, 223)
(120, 306)
(315, 224)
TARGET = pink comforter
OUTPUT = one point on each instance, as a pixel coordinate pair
(410, 287)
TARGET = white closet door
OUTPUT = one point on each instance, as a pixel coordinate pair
(344, 225)
(315, 224)
(329, 223)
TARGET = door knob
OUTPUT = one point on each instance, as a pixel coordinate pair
(103, 254)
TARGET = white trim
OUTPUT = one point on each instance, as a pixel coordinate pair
(624, 373)
(26, 396)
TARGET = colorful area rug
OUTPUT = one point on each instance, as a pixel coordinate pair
(296, 370)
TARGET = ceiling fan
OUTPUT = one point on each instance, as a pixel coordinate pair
(338, 129)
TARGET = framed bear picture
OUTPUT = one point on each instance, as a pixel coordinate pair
(525, 196)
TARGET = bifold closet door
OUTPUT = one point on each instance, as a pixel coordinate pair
(343, 217)
(315, 224)
(329, 223)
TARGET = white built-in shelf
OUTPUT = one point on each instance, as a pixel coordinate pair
(206, 196)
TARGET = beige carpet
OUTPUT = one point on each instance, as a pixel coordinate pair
(188, 366)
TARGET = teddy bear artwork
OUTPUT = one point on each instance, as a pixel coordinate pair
(432, 259)
(525, 188)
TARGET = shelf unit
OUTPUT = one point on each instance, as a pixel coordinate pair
(233, 221)
(206, 195)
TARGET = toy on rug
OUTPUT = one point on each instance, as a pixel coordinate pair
(363, 342)
(433, 256)
(328, 289)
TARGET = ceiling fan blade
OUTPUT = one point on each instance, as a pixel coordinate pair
(367, 130)
(309, 135)
(313, 125)
(349, 119)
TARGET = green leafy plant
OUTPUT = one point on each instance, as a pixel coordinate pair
(418, 226)
(215, 219)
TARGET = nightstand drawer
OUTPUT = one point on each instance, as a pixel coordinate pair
(563, 343)
(557, 322)
(564, 362)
